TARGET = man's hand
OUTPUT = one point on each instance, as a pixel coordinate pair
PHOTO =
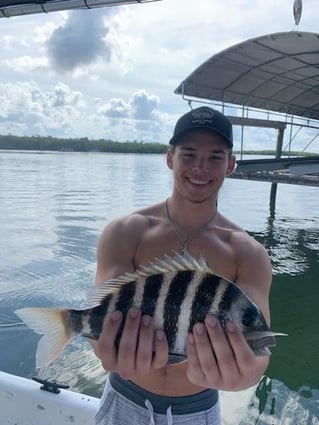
(140, 349)
(222, 359)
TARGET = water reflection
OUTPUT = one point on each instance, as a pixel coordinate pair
(274, 403)
(291, 250)
(79, 368)
(54, 207)
(290, 241)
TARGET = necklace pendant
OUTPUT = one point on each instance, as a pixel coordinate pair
(196, 232)
(184, 251)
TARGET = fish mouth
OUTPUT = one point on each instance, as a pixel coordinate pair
(260, 341)
(252, 335)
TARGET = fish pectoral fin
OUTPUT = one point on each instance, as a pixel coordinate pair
(49, 323)
(261, 334)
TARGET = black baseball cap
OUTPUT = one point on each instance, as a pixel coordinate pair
(204, 118)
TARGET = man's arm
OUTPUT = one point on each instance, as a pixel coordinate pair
(115, 256)
(223, 360)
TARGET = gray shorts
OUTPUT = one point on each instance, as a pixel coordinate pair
(125, 403)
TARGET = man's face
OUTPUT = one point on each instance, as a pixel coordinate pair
(200, 162)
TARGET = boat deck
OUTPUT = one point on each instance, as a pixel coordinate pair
(294, 170)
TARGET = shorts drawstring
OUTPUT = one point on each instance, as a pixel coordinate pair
(169, 416)
(150, 409)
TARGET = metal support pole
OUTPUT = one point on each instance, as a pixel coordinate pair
(280, 140)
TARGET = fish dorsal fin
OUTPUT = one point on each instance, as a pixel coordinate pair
(166, 265)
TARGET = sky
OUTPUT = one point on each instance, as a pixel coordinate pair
(110, 73)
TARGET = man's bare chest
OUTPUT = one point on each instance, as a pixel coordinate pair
(214, 247)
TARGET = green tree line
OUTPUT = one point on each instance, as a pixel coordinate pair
(78, 145)
(49, 143)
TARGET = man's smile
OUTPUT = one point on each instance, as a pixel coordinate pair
(199, 182)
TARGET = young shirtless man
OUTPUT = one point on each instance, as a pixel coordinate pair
(144, 388)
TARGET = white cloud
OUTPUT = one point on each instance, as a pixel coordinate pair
(139, 113)
(141, 106)
(42, 33)
(144, 105)
(55, 66)
(24, 64)
(26, 109)
(7, 41)
(115, 108)
(63, 96)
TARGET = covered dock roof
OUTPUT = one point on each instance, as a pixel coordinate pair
(275, 72)
(10, 8)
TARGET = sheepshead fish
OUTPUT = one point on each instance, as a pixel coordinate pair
(177, 292)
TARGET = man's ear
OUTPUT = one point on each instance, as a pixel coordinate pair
(169, 159)
(231, 165)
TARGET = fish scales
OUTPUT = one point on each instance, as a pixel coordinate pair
(75, 319)
(218, 298)
(203, 300)
(230, 295)
(139, 292)
(184, 318)
(123, 304)
(87, 331)
(151, 293)
(159, 308)
(177, 292)
(173, 303)
(96, 319)
(125, 297)
(112, 303)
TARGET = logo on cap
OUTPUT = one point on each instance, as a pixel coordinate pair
(202, 117)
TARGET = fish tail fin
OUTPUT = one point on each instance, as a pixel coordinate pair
(52, 325)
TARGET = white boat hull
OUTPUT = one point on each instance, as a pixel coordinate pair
(22, 402)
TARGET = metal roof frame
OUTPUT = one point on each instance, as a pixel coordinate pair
(9, 8)
(275, 72)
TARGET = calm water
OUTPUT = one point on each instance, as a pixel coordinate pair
(53, 207)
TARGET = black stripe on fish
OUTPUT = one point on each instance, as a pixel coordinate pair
(76, 317)
(125, 297)
(203, 299)
(250, 315)
(230, 296)
(97, 317)
(151, 292)
(173, 302)
(123, 304)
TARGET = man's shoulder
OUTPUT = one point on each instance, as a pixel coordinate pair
(248, 250)
(146, 217)
(136, 221)
(156, 210)
(237, 235)
(241, 242)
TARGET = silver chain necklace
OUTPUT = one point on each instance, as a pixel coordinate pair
(185, 242)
